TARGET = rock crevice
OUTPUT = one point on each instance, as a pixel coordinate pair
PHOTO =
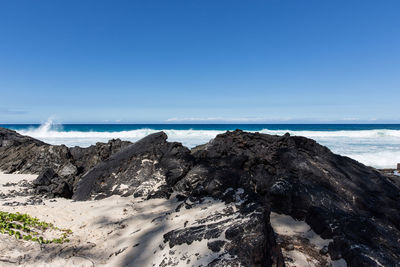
(341, 199)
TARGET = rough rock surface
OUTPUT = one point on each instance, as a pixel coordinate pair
(237, 233)
(352, 204)
(139, 169)
(24, 154)
(27, 155)
(338, 197)
(129, 231)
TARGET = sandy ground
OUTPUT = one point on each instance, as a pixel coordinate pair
(126, 231)
(116, 231)
(301, 245)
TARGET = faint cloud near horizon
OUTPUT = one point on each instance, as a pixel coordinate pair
(6, 111)
(221, 119)
(277, 120)
(350, 119)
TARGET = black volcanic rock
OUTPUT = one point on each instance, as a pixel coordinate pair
(241, 229)
(63, 189)
(45, 178)
(28, 155)
(139, 169)
(216, 246)
(10, 138)
(87, 158)
(341, 199)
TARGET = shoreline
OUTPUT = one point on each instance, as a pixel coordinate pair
(157, 202)
(367, 144)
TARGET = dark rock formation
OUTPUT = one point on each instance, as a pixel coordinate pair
(241, 230)
(341, 199)
(45, 178)
(87, 158)
(28, 155)
(393, 175)
(49, 183)
(139, 169)
(11, 139)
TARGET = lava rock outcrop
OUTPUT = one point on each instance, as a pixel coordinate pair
(341, 199)
(24, 154)
(139, 169)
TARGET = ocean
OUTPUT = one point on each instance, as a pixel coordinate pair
(376, 145)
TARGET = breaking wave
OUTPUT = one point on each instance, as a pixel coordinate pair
(378, 148)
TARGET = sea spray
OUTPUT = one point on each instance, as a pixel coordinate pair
(375, 147)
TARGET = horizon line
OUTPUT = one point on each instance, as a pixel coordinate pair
(213, 123)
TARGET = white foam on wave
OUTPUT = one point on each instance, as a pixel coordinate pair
(57, 136)
(347, 133)
(377, 148)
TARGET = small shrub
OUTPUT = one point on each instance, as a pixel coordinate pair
(30, 228)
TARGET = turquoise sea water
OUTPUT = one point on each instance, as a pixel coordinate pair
(219, 127)
(377, 145)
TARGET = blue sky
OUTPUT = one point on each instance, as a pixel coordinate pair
(199, 61)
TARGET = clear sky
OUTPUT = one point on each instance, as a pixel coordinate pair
(199, 61)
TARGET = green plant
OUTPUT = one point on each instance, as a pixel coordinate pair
(28, 228)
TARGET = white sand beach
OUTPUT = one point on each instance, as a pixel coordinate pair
(127, 231)
(116, 231)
